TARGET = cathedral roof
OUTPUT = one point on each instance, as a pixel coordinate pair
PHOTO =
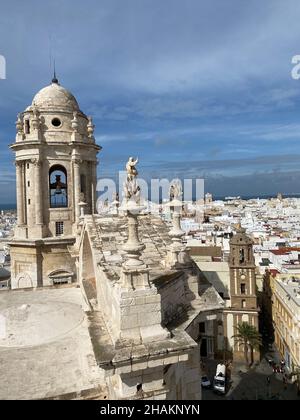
(110, 233)
(55, 97)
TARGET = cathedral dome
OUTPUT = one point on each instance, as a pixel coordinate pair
(55, 97)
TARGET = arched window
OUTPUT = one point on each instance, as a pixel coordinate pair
(242, 255)
(27, 126)
(58, 187)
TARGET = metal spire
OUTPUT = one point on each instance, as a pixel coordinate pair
(54, 80)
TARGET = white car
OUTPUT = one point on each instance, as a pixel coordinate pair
(205, 382)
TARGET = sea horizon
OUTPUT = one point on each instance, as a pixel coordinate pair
(11, 206)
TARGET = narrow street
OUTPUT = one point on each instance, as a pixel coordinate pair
(251, 385)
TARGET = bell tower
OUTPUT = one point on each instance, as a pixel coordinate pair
(242, 288)
(56, 173)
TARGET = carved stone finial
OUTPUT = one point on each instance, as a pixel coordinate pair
(35, 120)
(90, 127)
(177, 253)
(74, 122)
(19, 124)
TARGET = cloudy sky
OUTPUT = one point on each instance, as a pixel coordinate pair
(195, 88)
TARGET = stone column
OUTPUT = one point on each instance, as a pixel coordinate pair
(76, 163)
(20, 191)
(38, 192)
(94, 186)
(135, 273)
(133, 246)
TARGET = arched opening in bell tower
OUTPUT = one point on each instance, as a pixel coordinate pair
(242, 256)
(58, 186)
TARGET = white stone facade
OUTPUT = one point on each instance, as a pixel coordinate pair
(53, 138)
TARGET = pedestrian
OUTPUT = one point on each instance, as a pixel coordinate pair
(268, 380)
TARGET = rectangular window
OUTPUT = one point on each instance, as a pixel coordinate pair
(29, 201)
(201, 327)
(243, 303)
(59, 228)
(60, 281)
(28, 183)
(243, 288)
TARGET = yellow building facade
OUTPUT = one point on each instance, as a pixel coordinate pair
(286, 319)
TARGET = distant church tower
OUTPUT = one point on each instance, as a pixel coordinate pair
(243, 300)
(55, 174)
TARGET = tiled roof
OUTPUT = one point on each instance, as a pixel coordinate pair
(284, 250)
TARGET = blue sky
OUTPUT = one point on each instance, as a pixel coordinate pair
(195, 88)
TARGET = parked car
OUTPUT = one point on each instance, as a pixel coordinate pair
(220, 379)
(205, 382)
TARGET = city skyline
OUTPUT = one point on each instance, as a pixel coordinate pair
(207, 94)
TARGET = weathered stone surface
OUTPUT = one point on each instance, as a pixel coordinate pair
(48, 365)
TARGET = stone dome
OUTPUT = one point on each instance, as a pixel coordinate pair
(240, 238)
(55, 97)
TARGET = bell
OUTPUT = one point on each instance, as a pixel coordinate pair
(58, 190)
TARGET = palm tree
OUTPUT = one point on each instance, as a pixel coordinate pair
(249, 337)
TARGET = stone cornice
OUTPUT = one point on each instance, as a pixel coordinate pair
(82, 144)
(26, 144)
(42, 242)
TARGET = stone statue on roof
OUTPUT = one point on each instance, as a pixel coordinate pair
(131, 169)
(176, 190)
(131, 189)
